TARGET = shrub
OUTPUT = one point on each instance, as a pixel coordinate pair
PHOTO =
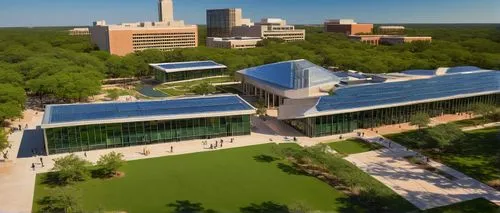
(110, 163)
(69, 169)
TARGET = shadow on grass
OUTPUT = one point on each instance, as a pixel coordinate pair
(186, 206)
(265, 158)
(289, 169)
(52, 180)
(265, 207)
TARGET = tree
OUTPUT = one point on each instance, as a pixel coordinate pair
(4, 144)
(61, 200)
(484, 110)
(444, 135)
(12, 100)
(70, 168)
(110, 163)
(261, 107)
(203, 89)
(420, 119)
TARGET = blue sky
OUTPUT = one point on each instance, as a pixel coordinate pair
(83, 12)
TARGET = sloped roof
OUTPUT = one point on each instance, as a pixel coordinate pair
(296, 74)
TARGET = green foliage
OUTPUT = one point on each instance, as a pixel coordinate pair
(110, 163)
(12, 100)
(70, 169)
(420, 119)
(4, 143)
(203, 88)
(261, 107)
(484, 110)
(60, 200)
(444, 135)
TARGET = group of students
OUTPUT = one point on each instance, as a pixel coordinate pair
(217, 143)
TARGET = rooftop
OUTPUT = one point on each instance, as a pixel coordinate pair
(296, 74)
(381, 95)
(119, 112)
(188, 66)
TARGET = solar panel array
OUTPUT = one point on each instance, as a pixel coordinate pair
(183, 65)
(407, 91)
(106, 111)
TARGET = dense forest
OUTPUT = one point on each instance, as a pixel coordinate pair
(48, 64)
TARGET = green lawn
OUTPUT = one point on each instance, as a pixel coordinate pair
(224, 181)
(353, 146)
(473, 206)
(184, 88)
(474, 155)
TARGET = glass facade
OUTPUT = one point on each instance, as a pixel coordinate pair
(348, 122)
(102, 136)
(164, 77)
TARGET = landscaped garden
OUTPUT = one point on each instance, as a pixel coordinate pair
(264, 178)
(190, 87)
(353, 146)
(476, 153)
(472, 206)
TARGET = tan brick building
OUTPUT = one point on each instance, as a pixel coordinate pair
(271, 28)
(347, 26)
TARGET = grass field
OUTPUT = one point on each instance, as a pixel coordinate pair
(475, 155)
(353, 146)
(184, 88)
(473, 206)
(224, 181)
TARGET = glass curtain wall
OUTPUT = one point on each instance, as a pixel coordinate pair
(348, 122)
(187, 75)
(102, 136)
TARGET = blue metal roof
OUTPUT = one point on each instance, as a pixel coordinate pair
(295, 74)
(120, 110)
(407, 91)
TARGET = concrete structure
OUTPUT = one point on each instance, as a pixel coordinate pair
(220, 22)
(80, 127)
(271, 28)
(297, 79)
(84, 31)
(233, 42)
(126, 38)
(388, 39)
(181, 71)
(391, 30)
(347, 26)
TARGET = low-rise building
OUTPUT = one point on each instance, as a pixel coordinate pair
(182, 71)
(347, 27)
(271, 28)
(388, 39)
(233, 42)
(83, 31)
(391, 30)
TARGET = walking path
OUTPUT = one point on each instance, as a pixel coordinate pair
(423, 188)
(17, 180)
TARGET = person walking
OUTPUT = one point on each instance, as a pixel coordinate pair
(85, 154)
(221, 143)
(33, 166)
(171, 149)
(41, 161)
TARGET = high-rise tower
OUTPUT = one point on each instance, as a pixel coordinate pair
(166, 10)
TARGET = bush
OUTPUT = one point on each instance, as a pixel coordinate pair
(110, 163)
(70, 169)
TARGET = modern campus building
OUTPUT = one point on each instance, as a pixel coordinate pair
(220, 22)
(303, 92)
(83, 31)
(388, 39)
(347, 27)
(295, 79)
(81, 127)
(167, 34)
(182, 71)
(233, 42)
(271, 28)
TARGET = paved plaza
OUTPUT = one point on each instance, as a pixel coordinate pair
(17, 180)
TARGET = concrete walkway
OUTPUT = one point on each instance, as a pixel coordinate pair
(421, 187)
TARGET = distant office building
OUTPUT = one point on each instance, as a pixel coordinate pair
(271, 28)
(233, 42)
(391, 30)
(83, 127)
(126, 38)
(181, 71)
(79, 31)
(220, 22)
(347, 26)
(388, 39)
